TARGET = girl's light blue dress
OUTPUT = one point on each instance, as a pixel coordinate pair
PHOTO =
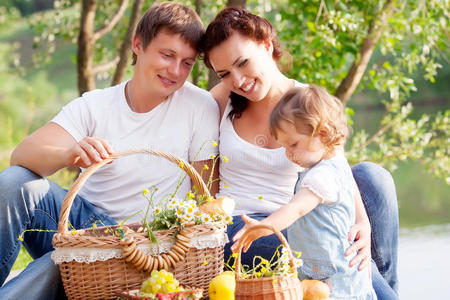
(322, 234)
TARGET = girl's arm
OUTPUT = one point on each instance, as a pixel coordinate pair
(302, 203)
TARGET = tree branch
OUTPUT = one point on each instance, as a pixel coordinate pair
(125, 49)
(354, 75)
(379, 133)
(110, 25)
(105, 66)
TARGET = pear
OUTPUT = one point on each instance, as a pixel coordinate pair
(222, 205)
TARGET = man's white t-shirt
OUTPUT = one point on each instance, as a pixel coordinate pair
(180, 125)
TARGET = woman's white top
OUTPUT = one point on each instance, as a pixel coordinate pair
(260, 180)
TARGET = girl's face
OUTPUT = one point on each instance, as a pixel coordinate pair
(301, 149)
(244, 66)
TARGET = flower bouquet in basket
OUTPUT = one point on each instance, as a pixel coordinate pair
(275, 279)
(177, 234)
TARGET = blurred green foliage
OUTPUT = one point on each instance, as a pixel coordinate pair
(38, 74)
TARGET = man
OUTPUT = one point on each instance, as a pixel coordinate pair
(156, 109)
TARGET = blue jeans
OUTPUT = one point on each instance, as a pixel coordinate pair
(380, 200)
(28, 201)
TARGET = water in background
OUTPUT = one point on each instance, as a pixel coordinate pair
(424, 212)
(424, 263)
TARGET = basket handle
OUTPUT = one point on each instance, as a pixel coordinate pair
(278, 234)
(79, 182)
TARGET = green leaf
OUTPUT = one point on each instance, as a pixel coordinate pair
(311, 26)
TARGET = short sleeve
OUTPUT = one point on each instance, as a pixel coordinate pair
(206, 130)
(322, 182)
(75, 119)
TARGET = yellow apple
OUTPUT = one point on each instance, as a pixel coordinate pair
(222, 286)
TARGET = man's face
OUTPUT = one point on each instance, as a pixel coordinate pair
(164, 65)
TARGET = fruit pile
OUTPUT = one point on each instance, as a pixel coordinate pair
(163, 286)
(160, 282)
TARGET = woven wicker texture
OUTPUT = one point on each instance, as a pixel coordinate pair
(267, 288)
(102, 279)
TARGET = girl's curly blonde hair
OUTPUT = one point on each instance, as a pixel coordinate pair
(313, 108)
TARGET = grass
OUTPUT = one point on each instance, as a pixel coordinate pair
(22, 260)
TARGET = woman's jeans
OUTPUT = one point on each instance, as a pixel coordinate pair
(28, 201)
(380, 200)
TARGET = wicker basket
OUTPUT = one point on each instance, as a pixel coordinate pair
(267, 288)
(101, 279)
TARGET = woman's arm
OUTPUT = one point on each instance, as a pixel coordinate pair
(221, 94)
(302, 203)
(51, 148)
(360, 235)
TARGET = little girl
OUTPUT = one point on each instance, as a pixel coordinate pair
(311, 125)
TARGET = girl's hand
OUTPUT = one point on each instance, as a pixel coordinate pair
(88, 151)
(236, 238)
(360, 235)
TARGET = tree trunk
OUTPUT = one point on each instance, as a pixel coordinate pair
(213, 79)
(86, 81)
(125, 50)
(240, 3)
(195, 69)
(354, 75)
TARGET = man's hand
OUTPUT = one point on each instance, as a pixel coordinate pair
(360, 235)
(88, 151)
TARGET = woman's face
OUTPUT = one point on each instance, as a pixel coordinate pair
(244, 66)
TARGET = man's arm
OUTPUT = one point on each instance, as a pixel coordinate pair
(52, 148)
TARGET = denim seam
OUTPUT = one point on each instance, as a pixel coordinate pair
(16, 244)
(377, 258)
(90, 220)
(46, 213)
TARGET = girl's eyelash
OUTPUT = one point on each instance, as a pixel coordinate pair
(223, 75)
(243, 63)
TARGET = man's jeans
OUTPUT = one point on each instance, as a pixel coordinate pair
(28, 201)
(380, 200)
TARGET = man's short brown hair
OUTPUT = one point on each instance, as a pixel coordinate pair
(173, 17)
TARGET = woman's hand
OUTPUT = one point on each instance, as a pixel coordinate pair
(88, 151)
(360, 235)
(249, 238)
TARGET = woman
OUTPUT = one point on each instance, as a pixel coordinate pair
(243, 50)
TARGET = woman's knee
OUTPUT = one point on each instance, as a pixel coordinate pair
(373, 179)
